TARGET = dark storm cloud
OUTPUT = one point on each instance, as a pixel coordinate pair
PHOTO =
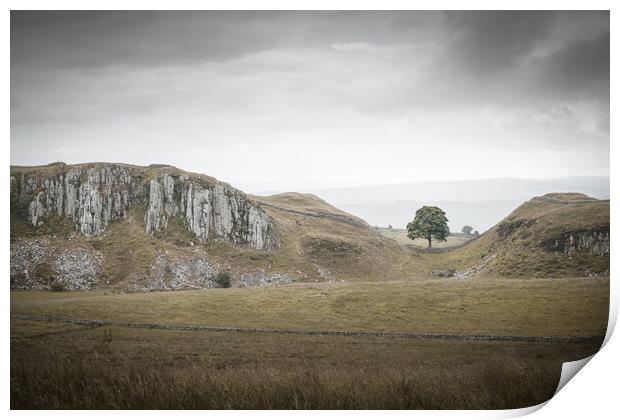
(146, 38)
(489, 42)
(492, 57)
(527, 88)
(578, 66)
(91, 39)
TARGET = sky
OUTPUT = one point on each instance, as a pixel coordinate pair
(301, 100)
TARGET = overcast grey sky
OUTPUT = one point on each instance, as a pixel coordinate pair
(298, 100)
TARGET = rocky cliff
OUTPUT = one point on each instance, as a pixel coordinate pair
(94, 195)
(592, 241)
(208, 211)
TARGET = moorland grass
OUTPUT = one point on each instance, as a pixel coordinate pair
(53, 366)
(489, 306)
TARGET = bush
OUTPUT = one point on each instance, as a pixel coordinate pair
(223, 280)
(57, 287)
(44, 272)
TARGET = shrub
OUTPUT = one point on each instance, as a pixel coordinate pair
(223, 280)
(57, 286)
(44, 272)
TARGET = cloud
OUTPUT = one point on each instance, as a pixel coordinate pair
(578, 67)
(245, 95)
(489, 42)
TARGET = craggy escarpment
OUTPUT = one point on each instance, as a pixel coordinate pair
(90, 196)
(592, 241)
(94, 195)
(208, 211)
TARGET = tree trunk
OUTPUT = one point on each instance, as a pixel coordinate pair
(429, 241)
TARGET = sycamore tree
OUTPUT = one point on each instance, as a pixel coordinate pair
(429, 223)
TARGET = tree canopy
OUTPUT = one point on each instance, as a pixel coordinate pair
(429, 223)
(467, 229)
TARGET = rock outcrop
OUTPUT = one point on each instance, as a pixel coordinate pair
(592, 241)
(39, 264)
(177, 274)
(94, 195)
(91, 197)
(199, 272)
(208, 211)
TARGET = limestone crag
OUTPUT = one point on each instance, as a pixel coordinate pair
(209, 211)
(93, 196)
(592, 241)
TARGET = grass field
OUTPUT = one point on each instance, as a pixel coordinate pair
(63, 366)
(400, 236)
(536, 307)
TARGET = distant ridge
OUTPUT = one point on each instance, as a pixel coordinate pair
(478, 203)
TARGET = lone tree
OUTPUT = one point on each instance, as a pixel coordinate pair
(467, 229)
(429, 223)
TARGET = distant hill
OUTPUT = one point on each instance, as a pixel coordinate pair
(478, 203)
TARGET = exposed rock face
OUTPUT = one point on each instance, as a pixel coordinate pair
(94, 196)
(37, 264)
(25, 256)
(595, 242)
(262, 279)
(189, 273)
(506, 228)
(209, 211)
(91, 197)
(197, 272)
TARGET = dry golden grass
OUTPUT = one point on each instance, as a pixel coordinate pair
(61, 366)
(501, 307)
(400, 236)
(55, 366)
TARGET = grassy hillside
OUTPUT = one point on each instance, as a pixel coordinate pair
(523, 244)
(335, 245)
